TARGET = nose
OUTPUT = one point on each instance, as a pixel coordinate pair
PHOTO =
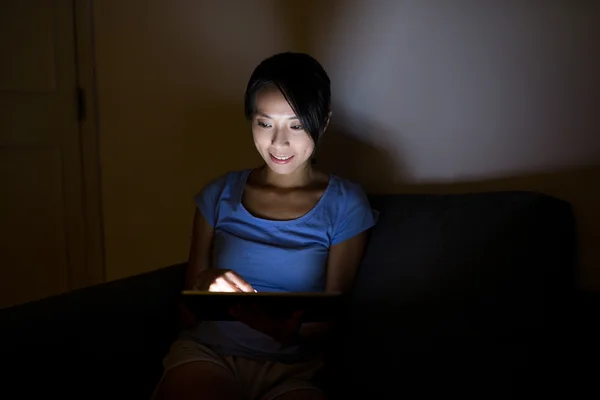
(280, 138)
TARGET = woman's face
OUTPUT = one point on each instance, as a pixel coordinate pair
(278, 134)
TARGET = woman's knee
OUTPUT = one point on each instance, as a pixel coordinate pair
(198, 379)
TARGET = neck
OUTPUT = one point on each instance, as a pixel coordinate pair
(300, 177)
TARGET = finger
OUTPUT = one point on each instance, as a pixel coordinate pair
(239, 282)
(227, 286)
(295, 318)
(215, 287)
(235, 312)
(222, 285)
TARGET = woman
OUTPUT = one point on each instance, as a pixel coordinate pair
(284, 226)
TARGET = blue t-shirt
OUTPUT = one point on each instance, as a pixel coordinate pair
(275, 256)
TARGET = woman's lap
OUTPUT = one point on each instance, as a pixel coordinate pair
(254, 379)
(189, 380)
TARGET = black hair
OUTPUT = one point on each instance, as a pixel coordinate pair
(304, 84)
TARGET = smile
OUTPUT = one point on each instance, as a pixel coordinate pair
(281, 159)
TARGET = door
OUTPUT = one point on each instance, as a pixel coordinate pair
(42, 215)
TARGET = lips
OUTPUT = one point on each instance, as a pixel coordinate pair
(281, 159)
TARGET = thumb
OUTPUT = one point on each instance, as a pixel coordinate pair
(297, 315)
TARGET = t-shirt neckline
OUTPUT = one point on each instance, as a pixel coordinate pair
(242, 186)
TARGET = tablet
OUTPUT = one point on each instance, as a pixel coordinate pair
(215, 306)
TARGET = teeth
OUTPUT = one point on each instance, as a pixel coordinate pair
(281, 158)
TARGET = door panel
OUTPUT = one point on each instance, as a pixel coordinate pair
(42, 215)
(27, 46)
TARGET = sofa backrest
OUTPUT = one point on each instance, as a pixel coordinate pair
(473, 256)
(443, 273)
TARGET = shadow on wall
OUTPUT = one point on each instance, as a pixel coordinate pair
(343, 152)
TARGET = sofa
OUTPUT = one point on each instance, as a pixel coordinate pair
(466, 295)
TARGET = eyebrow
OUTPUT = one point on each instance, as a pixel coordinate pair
(269, 117)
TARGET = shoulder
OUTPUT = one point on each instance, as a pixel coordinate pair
(346, 192)
(222, 187)
(222, 182)
(351, 209)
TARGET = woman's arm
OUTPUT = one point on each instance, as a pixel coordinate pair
(342, 266)
(199, 260)
(199, 273)
(200, 250)
(343, 262)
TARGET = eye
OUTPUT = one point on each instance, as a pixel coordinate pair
(263, 125)
(297, 127)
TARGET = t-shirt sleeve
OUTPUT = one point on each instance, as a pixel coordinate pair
(355, 216)
(207, 200)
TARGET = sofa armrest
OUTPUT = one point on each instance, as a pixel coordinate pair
(105, 336)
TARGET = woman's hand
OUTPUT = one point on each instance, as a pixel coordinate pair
(187, 319)
(213, 280)
(284, 329)
(222, 280)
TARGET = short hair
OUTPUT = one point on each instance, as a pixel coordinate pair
(304, 84)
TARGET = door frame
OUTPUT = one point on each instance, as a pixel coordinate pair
(93, 272)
